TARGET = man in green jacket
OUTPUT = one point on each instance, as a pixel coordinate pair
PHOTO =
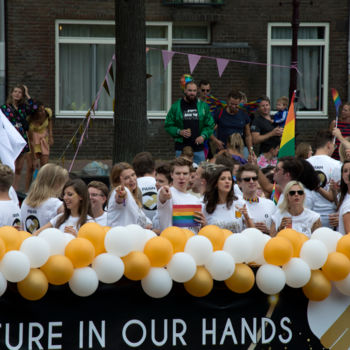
(189, 122)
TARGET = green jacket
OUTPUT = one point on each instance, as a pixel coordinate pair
(174, 121)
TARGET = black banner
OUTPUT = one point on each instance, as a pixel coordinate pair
(122, 316)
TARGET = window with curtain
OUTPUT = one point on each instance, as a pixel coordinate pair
(312, 64)
(84, 50)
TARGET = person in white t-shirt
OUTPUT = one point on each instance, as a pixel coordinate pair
(222, 207)
(291, 213)
(144, 167)
(10, 214)
(327, 169)
(260, 209)
(177, 194)
(77, 210)
(344, 202)
(98, 193)
(42, 203)
(125, 201)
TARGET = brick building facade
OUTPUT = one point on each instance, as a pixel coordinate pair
(236, 30)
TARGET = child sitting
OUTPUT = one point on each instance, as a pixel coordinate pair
(10, 214)
(282, 107)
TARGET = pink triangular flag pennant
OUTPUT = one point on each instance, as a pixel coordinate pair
(222, 64)
(167, 56)
(193, 60)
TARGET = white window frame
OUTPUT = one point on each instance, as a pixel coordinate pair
(193, 41)
(322, 114)
(79, 40)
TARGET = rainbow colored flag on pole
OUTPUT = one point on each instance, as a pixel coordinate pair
(183, 214)
(287, 147)
(336, 100)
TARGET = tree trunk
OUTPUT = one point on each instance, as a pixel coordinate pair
(130, 116)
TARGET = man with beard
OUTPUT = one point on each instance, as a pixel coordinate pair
(231, 120)
(189, 122)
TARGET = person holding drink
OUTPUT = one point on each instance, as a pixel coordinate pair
(291, 213)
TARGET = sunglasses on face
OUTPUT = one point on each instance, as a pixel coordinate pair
(247, 179)
(205, 90)
(293, 193)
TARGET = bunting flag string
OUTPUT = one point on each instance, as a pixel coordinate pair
(221, 62)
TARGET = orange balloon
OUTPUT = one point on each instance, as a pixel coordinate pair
(201, 284)
(278, 251)
(214, 234)
(227, 233)
(293, 237)
(319, 287)
(58, 269)
(303, 239)
(80, 252)
(159, 251)
(242, 279)
(23, 235)
(188, 233)
(337, 266)
(343, 245)
(106, 228)
(176, 236)
(2, 248)
(137, 265)
(95, 233)
(34, 286)
(10, 237)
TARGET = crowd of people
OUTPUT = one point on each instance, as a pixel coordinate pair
(226, 172)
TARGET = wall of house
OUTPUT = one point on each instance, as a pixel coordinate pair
(239, 31)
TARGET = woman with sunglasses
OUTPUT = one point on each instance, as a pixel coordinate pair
(343, 206)
(291, 213)
(222, 207)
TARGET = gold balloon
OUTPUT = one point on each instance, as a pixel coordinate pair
(294, 238)
(10, 237)
(34, 286)
(337, 266)
(58, 269)
(343, 245)
(319, 287)
(242, 280)
(23, 235)
(227, 233)
(201, 284)
(80, 252)
(2, 248)
(95, 233)
(188, 233)
(159, 251)
(176, 236)
(278, 251)
(214, 234)
(137, 265)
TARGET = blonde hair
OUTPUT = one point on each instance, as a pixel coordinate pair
(6, 177)
(342, 150)
(235, 142)
(284, 100)
(284, 205)
(302, 150)
(48, 183)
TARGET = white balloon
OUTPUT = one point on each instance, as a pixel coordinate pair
(15, 266)
(182, 267)
(257, 241)
(157, 284)
(56, 241)
(139, 236)
(67, 237)
(239, 247)
(200, 248)
(260, 260)
(84, 281)
(329, 237)
(150, 234)
(109, 267)
(344, 285)
(37, 250)
(221, 265)
(119, 241)
(297, 272)
(3, 284)
(314, 252)
(270, 279)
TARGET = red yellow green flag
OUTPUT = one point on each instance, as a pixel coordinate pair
(287, 147)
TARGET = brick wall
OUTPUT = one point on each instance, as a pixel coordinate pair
(31, 55)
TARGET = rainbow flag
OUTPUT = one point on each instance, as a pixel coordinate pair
(250, 107)
(183, 214)
(287, 147)
(336, 99)
(275, 195)
(215, 103)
